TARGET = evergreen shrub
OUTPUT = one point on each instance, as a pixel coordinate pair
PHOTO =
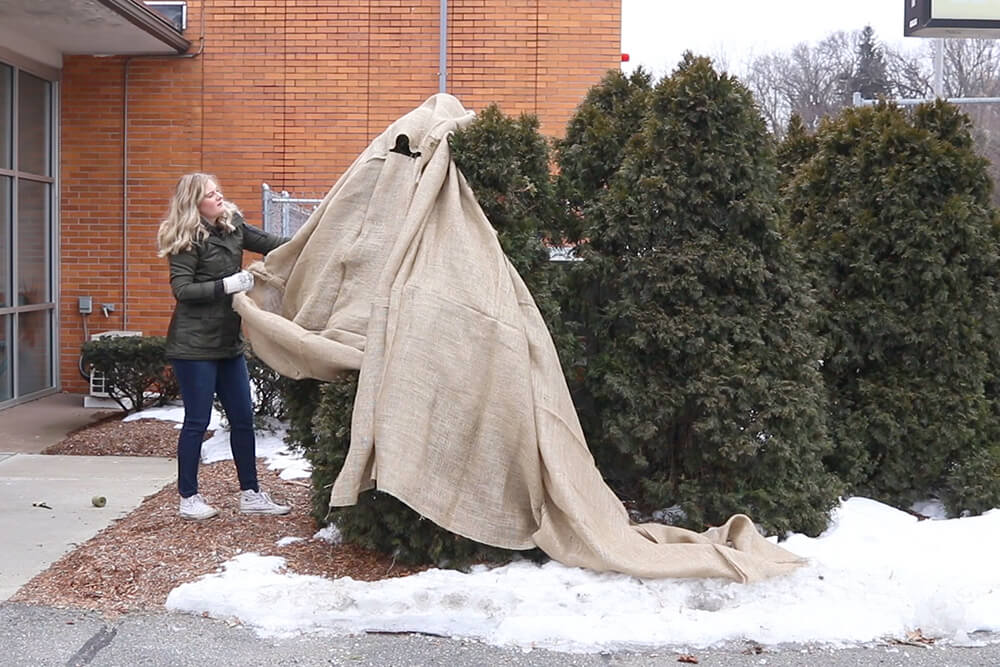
(594, 143)
(135, 369)
(267, 388)
(700, 392)
(893, 213)
(794, 150)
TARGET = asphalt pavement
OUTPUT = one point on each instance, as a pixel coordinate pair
(32, 636)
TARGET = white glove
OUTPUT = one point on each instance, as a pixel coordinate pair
(240, 281)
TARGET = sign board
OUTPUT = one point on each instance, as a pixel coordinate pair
(952, 18)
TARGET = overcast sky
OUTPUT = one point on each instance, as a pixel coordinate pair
(655, 33)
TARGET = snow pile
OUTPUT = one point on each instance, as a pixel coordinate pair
(876, 572)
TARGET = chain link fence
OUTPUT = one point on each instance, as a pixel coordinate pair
(283, 214)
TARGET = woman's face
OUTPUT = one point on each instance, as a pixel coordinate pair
(210, 205)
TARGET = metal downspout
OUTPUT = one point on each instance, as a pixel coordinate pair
(443, 49)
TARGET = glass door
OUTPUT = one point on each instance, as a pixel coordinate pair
(27, 203)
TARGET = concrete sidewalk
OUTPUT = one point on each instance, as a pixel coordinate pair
(31, 427)
(46, 500)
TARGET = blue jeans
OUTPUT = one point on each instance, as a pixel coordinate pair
(200, 381)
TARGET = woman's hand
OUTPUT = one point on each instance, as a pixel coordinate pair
(240, 281)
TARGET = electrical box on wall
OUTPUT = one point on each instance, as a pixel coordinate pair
(174, 11)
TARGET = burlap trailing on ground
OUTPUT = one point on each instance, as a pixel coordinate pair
(462, 411)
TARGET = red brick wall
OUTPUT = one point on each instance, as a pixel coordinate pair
(287, 94)
(531, 56)
(91, 200)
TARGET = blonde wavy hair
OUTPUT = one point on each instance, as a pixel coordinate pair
(183, 227)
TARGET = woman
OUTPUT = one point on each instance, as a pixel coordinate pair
(204, 237)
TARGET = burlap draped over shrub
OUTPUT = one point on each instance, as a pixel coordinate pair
(462, 411)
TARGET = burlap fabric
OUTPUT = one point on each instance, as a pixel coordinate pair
(462, 411)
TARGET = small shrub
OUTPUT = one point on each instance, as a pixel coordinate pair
(267, 387)
(137, 374)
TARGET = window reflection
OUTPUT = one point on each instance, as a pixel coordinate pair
(27, 159)
(6, 378)
(32, 242)
(34, 351)
(34, 123)
(6, 115)
(5, 213)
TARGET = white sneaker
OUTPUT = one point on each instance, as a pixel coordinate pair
(260, 502)
(194, 507)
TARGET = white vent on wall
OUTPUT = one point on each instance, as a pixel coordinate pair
(174, 11)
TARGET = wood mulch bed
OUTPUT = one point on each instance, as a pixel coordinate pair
(136, 561)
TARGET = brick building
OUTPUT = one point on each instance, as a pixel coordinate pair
(104, 103)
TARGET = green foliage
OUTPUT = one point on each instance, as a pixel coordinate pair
(319, 417)
(267, 388)
(794, 150)
(135, 368)
(971, 485)
(893, 213)
(592, 149)
(869, 75)
(700, 385)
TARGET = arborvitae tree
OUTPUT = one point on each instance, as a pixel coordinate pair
(506, 162)
(701, 387)
(795, 148)
(508, 165)
(588, 156)
(894, 216)
(591, 151)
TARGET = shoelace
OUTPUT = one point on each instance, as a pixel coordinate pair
(262, 497)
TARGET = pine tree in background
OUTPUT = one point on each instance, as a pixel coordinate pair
(701, 388)
(893, 213)
(506, 162)
(870, 73)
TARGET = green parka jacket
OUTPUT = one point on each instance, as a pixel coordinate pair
(204, 324)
